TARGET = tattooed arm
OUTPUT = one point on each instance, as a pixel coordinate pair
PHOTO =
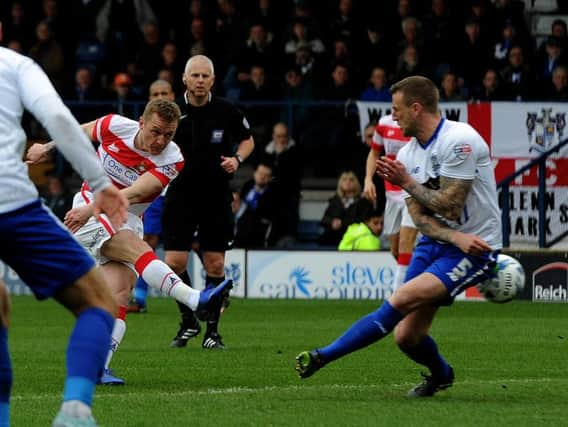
(435, 229)
(448, 200)
(427, 223)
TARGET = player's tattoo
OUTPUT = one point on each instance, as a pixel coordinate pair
(428, 224)
(447, 201)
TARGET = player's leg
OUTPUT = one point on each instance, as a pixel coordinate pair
(455, 271)
(5, 362)
(214, 264)
(126, 246)
(91, 301)
(215, 234)
(53, 264)
(411, 335)
(189, 326)
(152, 221)
(119, 277)
(418, 292)
(393, 242)
(406, 240)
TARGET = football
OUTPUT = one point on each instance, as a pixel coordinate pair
(509, 282)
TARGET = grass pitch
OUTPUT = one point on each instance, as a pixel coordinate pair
(511, 364)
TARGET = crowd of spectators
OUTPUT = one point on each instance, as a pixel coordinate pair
(342, 49)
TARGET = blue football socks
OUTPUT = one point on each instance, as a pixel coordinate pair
(426, 353)
(86, 354)
(362, 333)
(5, 379)
(140, 292)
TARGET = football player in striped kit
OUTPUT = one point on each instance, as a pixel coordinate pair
(141, 159)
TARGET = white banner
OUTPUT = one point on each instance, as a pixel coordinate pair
(234, 269)
(525, 130)
(320, 275)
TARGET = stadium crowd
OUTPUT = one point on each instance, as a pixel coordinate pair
(271, 52)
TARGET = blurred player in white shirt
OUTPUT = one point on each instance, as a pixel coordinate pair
(39, 248)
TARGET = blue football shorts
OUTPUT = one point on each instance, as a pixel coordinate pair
(44, 253)
(153, 217)
(457, 270)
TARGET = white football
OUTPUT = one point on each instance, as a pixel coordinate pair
(509, 282)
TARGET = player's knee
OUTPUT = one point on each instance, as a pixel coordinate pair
(405, 338)
(88, 291)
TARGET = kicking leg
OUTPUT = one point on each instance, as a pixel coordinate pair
(126, 246)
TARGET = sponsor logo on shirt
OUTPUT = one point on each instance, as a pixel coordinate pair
(118, 171)
(462, 150)
(169, 171)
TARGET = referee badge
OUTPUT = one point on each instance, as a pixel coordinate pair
(217, 136)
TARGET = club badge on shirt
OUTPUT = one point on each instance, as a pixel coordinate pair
(217, 136)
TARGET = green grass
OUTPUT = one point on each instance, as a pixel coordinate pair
(511, 364)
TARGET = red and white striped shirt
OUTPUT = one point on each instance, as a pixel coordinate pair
(389, 137)
(124, 163)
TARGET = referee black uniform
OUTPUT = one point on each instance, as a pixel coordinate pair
(200, 197)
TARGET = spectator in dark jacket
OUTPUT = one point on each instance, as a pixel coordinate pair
(256, 211)
(345, 208)
(282, 153)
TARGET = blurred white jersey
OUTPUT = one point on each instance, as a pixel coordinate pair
(22, 83)
(456, 150)
(389, 137)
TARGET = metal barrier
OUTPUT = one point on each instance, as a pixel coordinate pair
(504, 184)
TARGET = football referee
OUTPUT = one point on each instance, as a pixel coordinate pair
(215, 139)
